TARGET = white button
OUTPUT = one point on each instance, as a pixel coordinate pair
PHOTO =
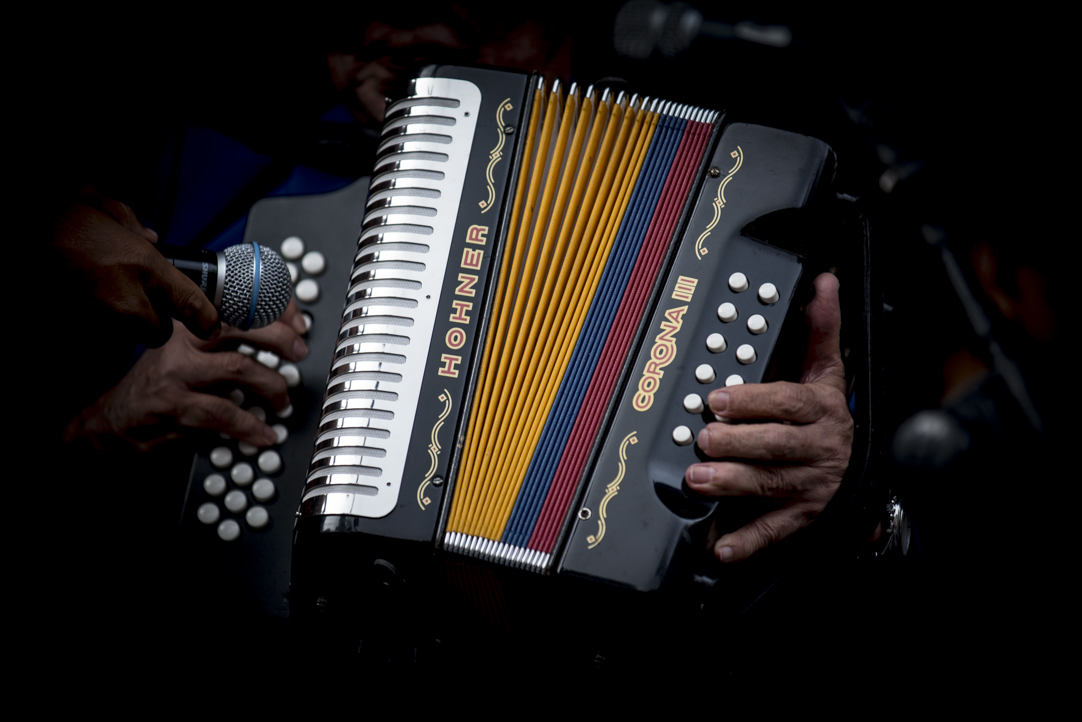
(734, 380)
(208, 513)
(248, 449)
(221, 457)
(292, 248)
(307, 321)
(727, 312)
(282, 432)
(294, 272)
(313, 263)
(286, 412)
(228, 530)
(236, 501)
(263, 490)
(257, 517)
(291, 373)
(693, 404)
(260, 413)
(236, 396)
(704, 373)
(224, 435)
(768, 293)
(745, 354)
(715, 342)
(682, 435)
(242, 474)
(307, 291)
(270, 462)
(246, 349)
(738, 282)
(268, 359)
(757, 324)
(214, 484)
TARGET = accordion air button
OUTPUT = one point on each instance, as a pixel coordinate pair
(263, 490)
(307, 291)
(270, 462)
(704, 373)
(291, 373)
(734, 380)
(214, 485)
(268, 359)
(682, 435)
(257, 517)
(757, 324)
(221, 457)
(292, 248)
(693, 404)
(248, 449)
(228, 530)
(716, 343)
(294, 272)
(313, 263)
(208, 513)
(242, 474)
(727, 313)
(281, 432)
(236, 501)
(768, 293)
(738, 282)
(745, 354)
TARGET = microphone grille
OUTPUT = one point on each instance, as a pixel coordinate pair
(275, 288)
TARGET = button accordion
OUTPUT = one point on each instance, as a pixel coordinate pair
(548, 283)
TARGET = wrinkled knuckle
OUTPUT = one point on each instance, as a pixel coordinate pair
(237, 365)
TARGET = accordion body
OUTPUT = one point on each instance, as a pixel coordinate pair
(547, 286)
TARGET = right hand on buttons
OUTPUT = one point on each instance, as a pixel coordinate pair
(182, 386)
(102, 250)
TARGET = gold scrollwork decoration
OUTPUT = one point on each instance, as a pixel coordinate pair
(495, 155)
(719, 202)
(434, 451)
(611, 491)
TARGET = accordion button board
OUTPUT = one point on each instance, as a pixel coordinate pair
(543, 415)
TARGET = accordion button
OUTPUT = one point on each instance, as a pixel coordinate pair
(286, 412)
(242, 474)
(294, 272)
(248, 449)
(236, 501)
(236, 396)
(313, 263)
(734, 380)
(292, 248)
(307, 321)
(757, 324)
(208, 513)
(221, 457)
(704, 373)
(246, 349)
(768, 293)
(738, 282)
(259, 412)
(263, 490)
(693, 404)
(281, 432)
(228, 530)
(257, 517)
(292, 374)
(270, 462)
(715, 342)
(307, 291)
(214, 484)
(682, 435)
(745, 354)
(727, 313)
(268, 359)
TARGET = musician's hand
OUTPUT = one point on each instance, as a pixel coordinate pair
(183, 385)
(799, 455)
(102, 251)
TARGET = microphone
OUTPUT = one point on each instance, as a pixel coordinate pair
(249, 284)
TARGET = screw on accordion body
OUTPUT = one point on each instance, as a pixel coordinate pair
(539, 274)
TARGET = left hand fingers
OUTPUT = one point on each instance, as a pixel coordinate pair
(768, 529)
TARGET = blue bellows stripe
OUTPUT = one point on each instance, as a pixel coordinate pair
(255, 287)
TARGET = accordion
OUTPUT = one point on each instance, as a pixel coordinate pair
(548, 283)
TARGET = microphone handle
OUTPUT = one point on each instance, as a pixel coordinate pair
(205, 268)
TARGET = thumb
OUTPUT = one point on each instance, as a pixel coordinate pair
(824, 316)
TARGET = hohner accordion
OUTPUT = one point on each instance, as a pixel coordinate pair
(547, 286)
